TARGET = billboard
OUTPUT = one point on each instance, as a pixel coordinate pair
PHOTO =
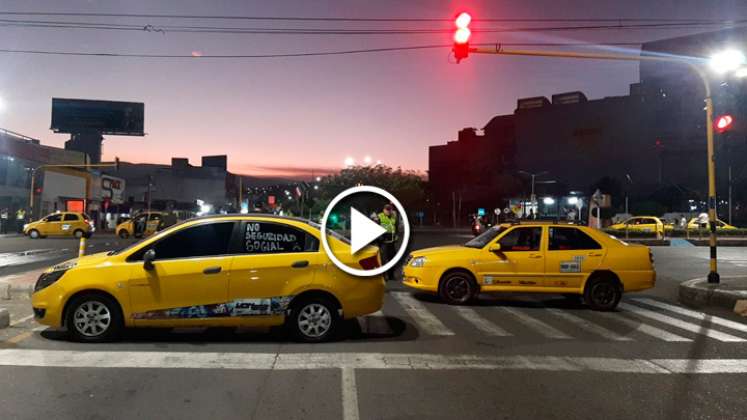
(105, 117)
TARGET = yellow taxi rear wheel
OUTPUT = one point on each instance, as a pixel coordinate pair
(123, 234)
(457, 287)
(78, 233)
(314, 320)
(603, 292)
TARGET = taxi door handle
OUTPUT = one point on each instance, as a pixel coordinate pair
(300, 264)
(212, 270)
(535, 256)
(595, 254)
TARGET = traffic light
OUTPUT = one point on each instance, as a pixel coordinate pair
(461, 36)
(723, 123)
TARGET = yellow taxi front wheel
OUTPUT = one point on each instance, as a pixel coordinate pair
(457, 287)
(123, 234)
(34, 234)
(94, 318)
(603, 293)
(314, 320)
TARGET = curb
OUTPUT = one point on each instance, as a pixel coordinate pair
(699, 293)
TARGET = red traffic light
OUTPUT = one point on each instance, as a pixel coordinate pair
(723, 123)
(462, 35)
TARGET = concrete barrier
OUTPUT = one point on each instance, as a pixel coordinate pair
(4, 318)
(4, 290)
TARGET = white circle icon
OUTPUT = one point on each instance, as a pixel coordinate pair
(363, 231)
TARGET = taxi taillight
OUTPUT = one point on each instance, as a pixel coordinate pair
(370, 263)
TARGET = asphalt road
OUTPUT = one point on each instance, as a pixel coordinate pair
(504, 357)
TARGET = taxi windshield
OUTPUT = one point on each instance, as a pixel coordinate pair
(484, 238)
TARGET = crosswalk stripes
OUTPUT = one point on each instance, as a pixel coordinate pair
(374, 324)
(482, 324)
(589, 326)
(694, 314)
(644, 328)
(425, 320)
(666, 319)
(535, 324)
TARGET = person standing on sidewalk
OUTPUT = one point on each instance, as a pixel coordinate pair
(388, 220)
(4, 220)
(20, 219)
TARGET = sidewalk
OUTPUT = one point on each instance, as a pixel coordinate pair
(22, 282)
(730, 293)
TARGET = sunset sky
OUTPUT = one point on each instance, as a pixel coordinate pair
(286, 116)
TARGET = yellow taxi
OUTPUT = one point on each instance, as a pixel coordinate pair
(720, 225)
(534, 257)
(642, 224)
(149, 222)
(64, 223)
(231, 270)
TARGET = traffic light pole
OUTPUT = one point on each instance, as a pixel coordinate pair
(713, 276)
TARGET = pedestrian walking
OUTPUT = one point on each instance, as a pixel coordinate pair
(388, 220)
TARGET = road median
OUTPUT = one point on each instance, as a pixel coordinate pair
(730, 293)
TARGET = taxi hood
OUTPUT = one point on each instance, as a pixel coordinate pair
(84, 261)
(439, 250)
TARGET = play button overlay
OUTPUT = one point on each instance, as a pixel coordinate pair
(364, 231)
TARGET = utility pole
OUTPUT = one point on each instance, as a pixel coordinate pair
(150, 180)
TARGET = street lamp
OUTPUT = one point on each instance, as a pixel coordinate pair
(727, 61)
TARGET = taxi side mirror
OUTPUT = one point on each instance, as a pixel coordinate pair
(148, 258)
(494, 248)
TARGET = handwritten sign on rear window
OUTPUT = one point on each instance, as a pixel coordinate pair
(273, 238)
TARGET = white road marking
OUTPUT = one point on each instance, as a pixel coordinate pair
(349, 395)
(645, 328)
(535, 324)
(589, 326)
(694, 314)
(391, 361)
(21, 320)
(426, 321)
(697, 329)
(374, 323)
(482, 324)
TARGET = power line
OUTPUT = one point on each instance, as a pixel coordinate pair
(357, 19)
(333, 31)
(300, 54)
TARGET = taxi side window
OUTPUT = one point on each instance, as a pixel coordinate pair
(521, 239)
(568, 238)
(276, 238)
(70, 217)
(53, 218)
(209, 239)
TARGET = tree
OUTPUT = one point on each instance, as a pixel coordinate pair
(407, 186)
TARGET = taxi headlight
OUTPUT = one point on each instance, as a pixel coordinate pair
(25, 226)
(417, 262)
(47, 279)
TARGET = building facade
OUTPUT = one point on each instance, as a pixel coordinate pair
(648, 145)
